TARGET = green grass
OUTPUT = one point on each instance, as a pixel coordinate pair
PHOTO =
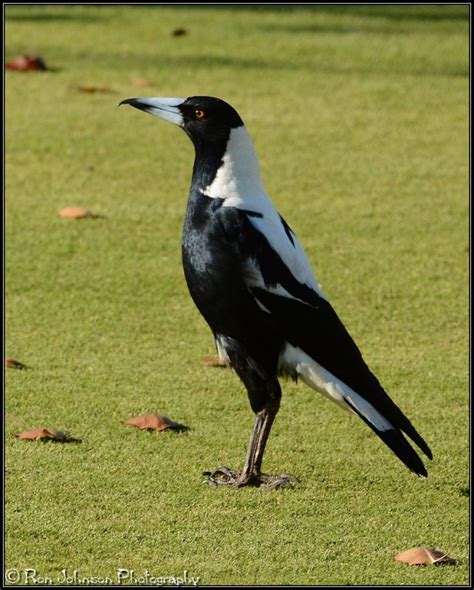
(359, 115)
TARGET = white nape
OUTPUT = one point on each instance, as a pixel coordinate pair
(239, 183)
(238, 178)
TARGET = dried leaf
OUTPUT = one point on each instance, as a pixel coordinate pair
(214, 361)
(46, 434)
(424, 556)
(93, 89)
(141, 82)
(154, 422)
(14, 364)
(180, 32)
(75, 213)
(26, 63)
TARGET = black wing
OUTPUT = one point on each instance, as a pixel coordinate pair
(308, 321)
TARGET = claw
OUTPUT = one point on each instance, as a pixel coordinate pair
(230, 477)
(276, 482)
(222, 476)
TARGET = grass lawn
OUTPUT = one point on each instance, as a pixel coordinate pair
(359, 116)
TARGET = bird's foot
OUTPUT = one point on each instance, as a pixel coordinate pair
(276, 482)
(239, 479)
(223, 476)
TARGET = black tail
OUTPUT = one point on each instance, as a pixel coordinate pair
(407, 427)
(395, 440)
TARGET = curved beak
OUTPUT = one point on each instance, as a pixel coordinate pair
(166, 108)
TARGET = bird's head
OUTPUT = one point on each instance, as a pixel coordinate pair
(204, 118)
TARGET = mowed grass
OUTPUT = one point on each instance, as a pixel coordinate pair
(359, 116)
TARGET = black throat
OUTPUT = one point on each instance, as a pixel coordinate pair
(207, 161)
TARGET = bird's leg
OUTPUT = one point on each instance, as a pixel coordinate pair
(251, 474)
(253, 464)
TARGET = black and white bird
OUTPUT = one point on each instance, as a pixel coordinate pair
(252, 281)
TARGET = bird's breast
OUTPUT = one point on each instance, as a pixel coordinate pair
(197, 254)
(202, 249)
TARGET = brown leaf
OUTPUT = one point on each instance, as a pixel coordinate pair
(25, 63)
(424, 556)
(14, 364)
(141, 82)
(214, 361)
(93, 89)
(45, 434)
(154, 422)
(75, 213)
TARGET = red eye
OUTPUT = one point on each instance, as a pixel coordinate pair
(199, 115)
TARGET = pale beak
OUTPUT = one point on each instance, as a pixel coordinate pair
(166, 108)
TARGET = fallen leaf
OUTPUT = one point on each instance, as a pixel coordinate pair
(26, 63)
(92, 89)
(180, 32)
(214, 361)
(46, 434)
(424, 556)
(14, 364)
(141, 82)
(75, 213)
(154, 422)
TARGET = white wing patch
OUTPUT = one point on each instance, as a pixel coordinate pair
(292, 254)
(253, 278)
(293, 359)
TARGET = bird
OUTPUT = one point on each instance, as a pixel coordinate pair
(253, 283)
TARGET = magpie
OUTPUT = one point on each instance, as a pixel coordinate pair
(252, 282)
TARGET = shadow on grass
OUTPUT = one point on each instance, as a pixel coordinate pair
(427, 12)
(372, 27)
(217, 62)
(66, 441)
(400, 12)
(208, 62)
(50, 14)
(393, 12)
(377, 19)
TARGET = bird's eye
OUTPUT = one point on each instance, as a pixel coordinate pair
(199, 115)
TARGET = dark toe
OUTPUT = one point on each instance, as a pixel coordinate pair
(221, 476)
